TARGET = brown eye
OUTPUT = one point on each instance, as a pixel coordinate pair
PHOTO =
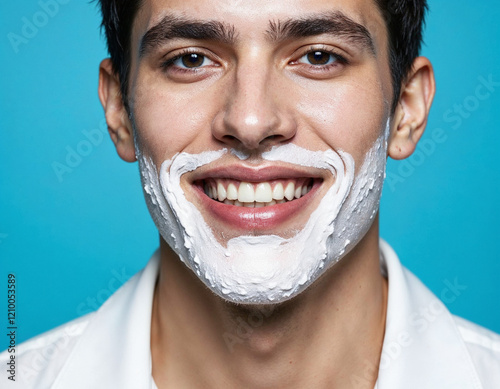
(189, 61)
(192, 60)
(319, 58)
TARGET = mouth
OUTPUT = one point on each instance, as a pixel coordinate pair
(257, 204)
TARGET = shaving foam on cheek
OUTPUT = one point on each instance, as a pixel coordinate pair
(361, 207)
(162, 199)
(269, 268)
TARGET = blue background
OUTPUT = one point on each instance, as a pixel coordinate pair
(73, 237)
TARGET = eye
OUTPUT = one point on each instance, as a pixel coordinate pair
(190, 61)
(191, 64)
(318, 58)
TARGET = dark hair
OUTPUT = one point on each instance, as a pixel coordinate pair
(404, 20)
(117, 21)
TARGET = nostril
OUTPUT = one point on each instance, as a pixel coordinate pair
(230, 138)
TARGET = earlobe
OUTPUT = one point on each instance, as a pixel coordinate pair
(410, 116)
(119, 126)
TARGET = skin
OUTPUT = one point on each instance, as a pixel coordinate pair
(253, 94)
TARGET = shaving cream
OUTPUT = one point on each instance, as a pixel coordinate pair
(267, 268)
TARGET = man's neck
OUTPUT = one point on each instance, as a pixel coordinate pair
(329, 336)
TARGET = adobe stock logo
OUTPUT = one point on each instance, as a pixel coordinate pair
(31, 26)
(92, 303)
(421, 319)
(85, 147)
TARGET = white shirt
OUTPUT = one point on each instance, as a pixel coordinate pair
(424, 346)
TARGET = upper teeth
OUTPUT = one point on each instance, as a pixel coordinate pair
(256, 194)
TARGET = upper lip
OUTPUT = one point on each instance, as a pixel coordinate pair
(257, 174)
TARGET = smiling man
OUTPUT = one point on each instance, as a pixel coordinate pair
(262, 130)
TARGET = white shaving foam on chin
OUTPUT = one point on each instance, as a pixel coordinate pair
(268, 268)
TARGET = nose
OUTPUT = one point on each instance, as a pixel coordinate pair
(254, 113)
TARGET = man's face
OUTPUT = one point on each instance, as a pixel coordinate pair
(249, 76)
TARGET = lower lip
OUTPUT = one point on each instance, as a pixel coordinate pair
(263, 218)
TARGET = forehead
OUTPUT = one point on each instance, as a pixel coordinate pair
(253, 18)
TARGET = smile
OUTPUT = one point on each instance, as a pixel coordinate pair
(256, 194)
(258, 204)
(263, 199)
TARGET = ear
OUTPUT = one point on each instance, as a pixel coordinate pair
(410, 117)
(119, 126)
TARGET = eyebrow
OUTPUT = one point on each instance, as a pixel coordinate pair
(171, 27)
(333, 23)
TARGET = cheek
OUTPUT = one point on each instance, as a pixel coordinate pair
(168, 122)
(349, 116)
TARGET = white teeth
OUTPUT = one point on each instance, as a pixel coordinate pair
(298, 192)
(246, 193)
(290, 191)
(263, 192)
(262, 196)
(278, 193)
(232, 192)
(221, 192)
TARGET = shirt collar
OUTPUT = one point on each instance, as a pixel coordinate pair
(422, 345)
(114, 351)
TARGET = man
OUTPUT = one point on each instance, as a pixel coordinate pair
(262, 130)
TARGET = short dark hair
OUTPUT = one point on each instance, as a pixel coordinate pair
(117, 21)
(404, 21)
